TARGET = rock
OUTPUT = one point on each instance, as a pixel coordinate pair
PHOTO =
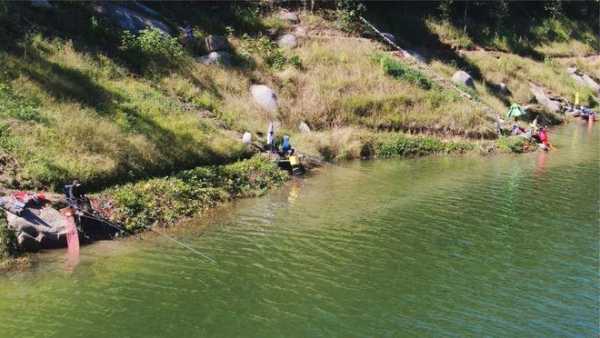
(216, 58)
(304, 128)
(216, 43)
(300, 31)
(591, 83)
(389, 36)
(462, 78)
(289, 16)
(543, 99)
(583, 79)
(247, 138)
(36, 224)
(41, 4)
(264, 97)
(129, 19)
(287, 41)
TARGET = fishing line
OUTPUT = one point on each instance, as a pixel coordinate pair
(92, 216)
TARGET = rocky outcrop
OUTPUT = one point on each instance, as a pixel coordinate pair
(463, 78)
(129, 19)
(549, 104)
(265, 97)
(583, 79)
(216, 58)
(288, 41)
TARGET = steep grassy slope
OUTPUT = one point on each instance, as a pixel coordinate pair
(80, 99)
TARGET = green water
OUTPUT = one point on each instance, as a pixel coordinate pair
(503, 246)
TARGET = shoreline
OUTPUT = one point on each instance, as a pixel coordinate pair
(169, 201)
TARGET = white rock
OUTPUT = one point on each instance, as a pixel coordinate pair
(304, 128)
(216, 58)
(264, 97)
(289, 16)
(287, 41)
(247, 138)
(463, 78)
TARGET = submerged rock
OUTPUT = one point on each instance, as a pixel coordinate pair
(463, 78)
(287, 41)
(265, 97)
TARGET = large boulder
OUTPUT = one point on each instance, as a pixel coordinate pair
(129, 19)
(265, 97)
(289, 16)
(463, 78)
(216, 58)
(583, 79)
(216, 43)
(543, 99)
(287, 41)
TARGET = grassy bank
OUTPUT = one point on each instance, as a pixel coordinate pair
(164, 201)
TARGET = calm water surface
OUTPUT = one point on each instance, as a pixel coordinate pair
(503, 246)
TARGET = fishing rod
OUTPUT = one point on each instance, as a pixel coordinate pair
(121, 229)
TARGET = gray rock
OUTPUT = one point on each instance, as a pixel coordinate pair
(216, 58)
(265, 97)
(41, 4)
(463, 79)
(287, 41)
(503, 89)
(289, 16)
(591, 83)
(129, 19)
(41, 226)
(543, 99)
(216, 43)
(304, 128)
(300, 31)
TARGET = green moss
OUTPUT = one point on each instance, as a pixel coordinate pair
(401, 71)
(163, 201)
(8, 241)
(512, 144)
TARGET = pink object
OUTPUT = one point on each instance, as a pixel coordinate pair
(72, 235)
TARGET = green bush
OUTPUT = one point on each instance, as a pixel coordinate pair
(514, 144)
(418, 146)
(348, 14)
(399, 70)
(8, 242)
(151, 49)
(163, 201)
(16, 106)
(268, 51)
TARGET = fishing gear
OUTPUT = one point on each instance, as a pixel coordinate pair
(122, 230)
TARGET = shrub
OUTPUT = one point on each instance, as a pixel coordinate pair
(399, 70)
(8, 242)
(348, 14)
(418, 146)
(151, 49)
(268, 51)
(514, 144)
(17, 106)
(165, 200)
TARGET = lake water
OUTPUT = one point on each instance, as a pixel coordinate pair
(499, 246)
